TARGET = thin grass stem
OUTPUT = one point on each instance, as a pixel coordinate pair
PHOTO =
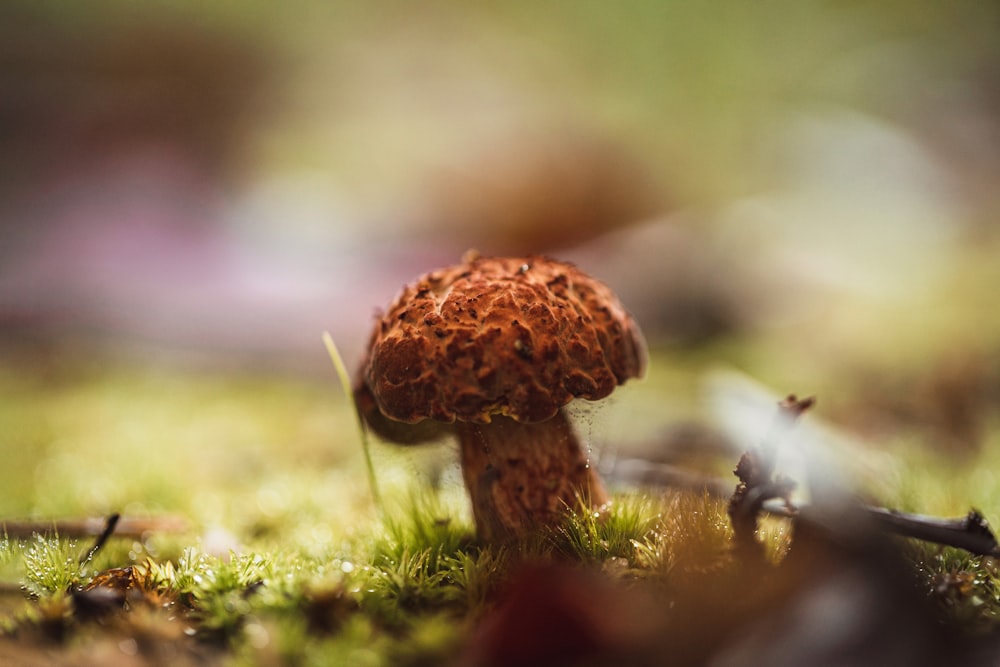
(345, 383)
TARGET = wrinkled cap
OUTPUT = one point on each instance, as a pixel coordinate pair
(519, 337)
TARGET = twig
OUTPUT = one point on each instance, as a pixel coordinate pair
(971, 533)
(109, 528)
(93, 526)
(758, 483)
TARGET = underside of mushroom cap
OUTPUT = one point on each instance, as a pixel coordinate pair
(519, 337)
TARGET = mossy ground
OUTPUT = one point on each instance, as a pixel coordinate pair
(286, 559)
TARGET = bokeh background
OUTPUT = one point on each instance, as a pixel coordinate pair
(806, 190)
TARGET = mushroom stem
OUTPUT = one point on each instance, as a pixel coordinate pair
(522, 476)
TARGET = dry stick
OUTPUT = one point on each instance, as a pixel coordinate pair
(971, 532)
(109, 528)
(758, 483)
(92, 527)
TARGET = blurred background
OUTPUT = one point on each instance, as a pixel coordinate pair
(808, 190)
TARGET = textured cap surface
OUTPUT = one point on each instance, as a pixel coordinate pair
(520, 337)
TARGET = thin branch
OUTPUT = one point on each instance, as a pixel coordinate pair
(93, 527)
(971, 533)
(109, 528)
(758, 483)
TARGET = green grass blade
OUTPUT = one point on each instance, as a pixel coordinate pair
(345, 382)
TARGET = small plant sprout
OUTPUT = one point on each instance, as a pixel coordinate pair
(51, 566)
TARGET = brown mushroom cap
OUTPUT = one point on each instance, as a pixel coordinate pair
(519, 337)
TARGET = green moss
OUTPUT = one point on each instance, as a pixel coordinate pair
(51, 566)
(318, 576)
(594, 537)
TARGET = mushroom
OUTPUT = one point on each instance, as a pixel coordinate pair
(492, 350)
